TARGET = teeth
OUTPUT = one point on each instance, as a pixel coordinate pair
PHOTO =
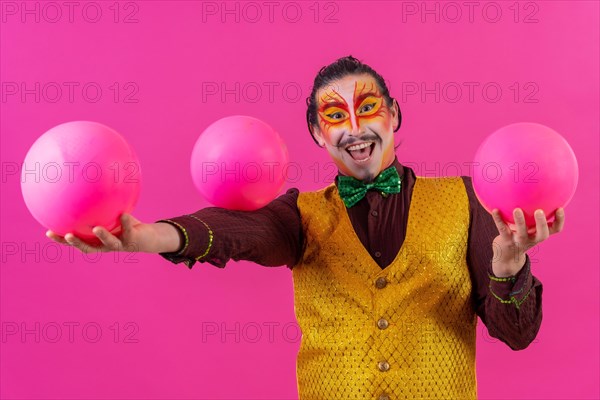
(358, 146)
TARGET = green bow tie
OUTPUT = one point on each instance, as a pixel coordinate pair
(353, 190)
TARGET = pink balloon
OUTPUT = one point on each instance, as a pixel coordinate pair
(238, 163)
(79, 175)
(525, 165)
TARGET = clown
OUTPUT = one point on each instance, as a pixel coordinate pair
(390, 270)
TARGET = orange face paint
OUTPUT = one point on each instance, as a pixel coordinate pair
(349, 110)
(334, 110)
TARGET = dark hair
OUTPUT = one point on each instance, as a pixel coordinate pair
(341, 68)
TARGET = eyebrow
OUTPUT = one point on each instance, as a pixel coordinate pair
(363, 96)
(334, 103)
(342, 104)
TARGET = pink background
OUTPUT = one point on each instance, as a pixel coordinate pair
(162, 60)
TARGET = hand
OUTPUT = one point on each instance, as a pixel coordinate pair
(510, 247)
(133, 236)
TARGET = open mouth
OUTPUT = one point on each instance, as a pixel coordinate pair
(361, 152)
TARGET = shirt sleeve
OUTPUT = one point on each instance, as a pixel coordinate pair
(269, 236)
(510, 307)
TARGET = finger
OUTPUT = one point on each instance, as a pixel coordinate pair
(128, 221)
(125, 225)
(57, 238)
(541, 226)
(503, 229)
(109, 241)
(559, 221)
(519, 217)
(80, 245)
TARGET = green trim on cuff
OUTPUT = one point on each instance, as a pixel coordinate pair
(210, 238)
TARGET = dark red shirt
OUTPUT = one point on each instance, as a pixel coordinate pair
(511, 308)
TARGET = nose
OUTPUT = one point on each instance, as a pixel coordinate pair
(355, 128)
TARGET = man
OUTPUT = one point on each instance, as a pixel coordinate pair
(390, 270)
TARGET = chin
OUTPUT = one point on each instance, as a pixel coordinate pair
(367, 174)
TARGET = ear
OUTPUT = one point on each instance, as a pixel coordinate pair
(317, 135)
(396, 115)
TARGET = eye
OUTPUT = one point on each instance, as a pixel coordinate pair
(367, 107)
(334, 115)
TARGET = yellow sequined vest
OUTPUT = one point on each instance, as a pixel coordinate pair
(403, 332)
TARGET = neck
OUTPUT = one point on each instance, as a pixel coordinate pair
(388, 164)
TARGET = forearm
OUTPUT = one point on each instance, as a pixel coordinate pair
(265, 237)
(270, 236)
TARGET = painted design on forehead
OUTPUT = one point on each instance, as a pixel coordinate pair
(365, 89)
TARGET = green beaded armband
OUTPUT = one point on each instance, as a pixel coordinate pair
(512, 300)
(506, 279)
